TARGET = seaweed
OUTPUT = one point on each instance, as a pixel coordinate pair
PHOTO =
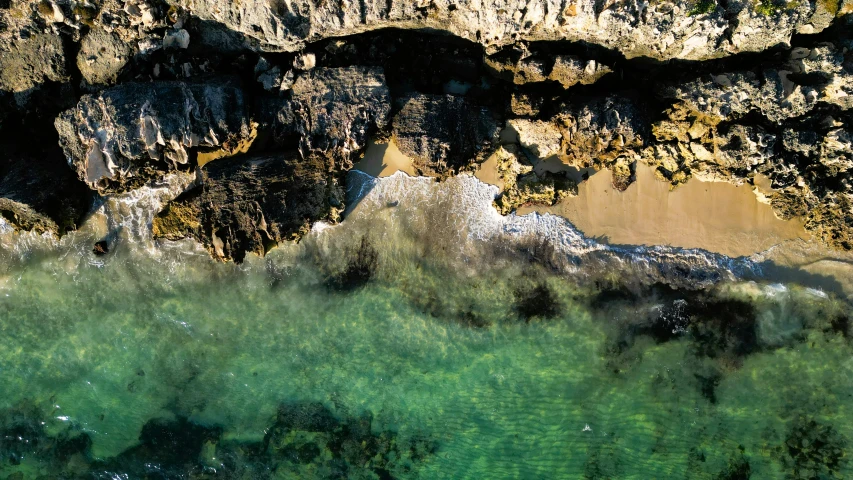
(537, 301)
(360, 269)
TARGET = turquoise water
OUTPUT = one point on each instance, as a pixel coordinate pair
(450, 361)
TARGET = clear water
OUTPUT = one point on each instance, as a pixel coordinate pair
(156, 362)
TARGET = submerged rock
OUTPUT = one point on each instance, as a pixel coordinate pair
(134, 132)
(443, 134)
(249, 204)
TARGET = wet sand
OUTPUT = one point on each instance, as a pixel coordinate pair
(384, 159)
(715, 216)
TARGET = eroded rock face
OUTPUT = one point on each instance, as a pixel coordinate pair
(520, 67)
(600, 132)
(133, 132)
(683, 29)
(334, 109)
(443, 134)
(521, 186)
(200, 80)
(249, 204)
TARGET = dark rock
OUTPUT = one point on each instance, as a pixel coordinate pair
(443, 134)
(814, 450)
(134, 132)
(101, 248)
(332, 111)
(360, 268)
(249, 204)
(39, 193)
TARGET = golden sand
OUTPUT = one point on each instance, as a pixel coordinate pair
(384, 159)
(715, 216)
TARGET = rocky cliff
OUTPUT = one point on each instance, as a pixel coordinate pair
(106, 96)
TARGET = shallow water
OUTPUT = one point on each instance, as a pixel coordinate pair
(462, 352)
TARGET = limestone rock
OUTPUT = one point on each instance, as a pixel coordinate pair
(522, 68)
(26, 64)
(601, 130)
(335, 109)
(523, 187)
(248, 204)
(682, 29)
(102, 56)
(133, 132)
(808, 77)
(443, 133)
(542, 139)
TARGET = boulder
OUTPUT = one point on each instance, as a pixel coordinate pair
(249, 204)
(331, 112)
(134, 132)
(443, 134)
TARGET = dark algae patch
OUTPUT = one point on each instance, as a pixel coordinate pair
(815, 450)
(304, 440)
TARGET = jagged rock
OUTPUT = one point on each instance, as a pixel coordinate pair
(807, 78)
(602, 131)
(837, 150)
(541, 139)
(332, 112)
(523, 187)
(305, 61)
(248, 204)
(740, 149)
(443, 133)
(516, 66)
(133, 132)
(335, 109)
(102, 56)
(176, 39)
(39, 193)
(832, 220)
(570, 70)
(685, 29)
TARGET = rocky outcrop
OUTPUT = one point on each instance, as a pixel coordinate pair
(600, 132)
(685, 29)
(333, 110)
(133, 132)
(443, 134)
(521, 186)
(521, 67)
(140, 88)
(249, 204)
(102, 56)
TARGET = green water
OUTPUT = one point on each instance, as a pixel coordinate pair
(164, 364)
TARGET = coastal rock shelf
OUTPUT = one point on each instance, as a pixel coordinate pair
(129, 92)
